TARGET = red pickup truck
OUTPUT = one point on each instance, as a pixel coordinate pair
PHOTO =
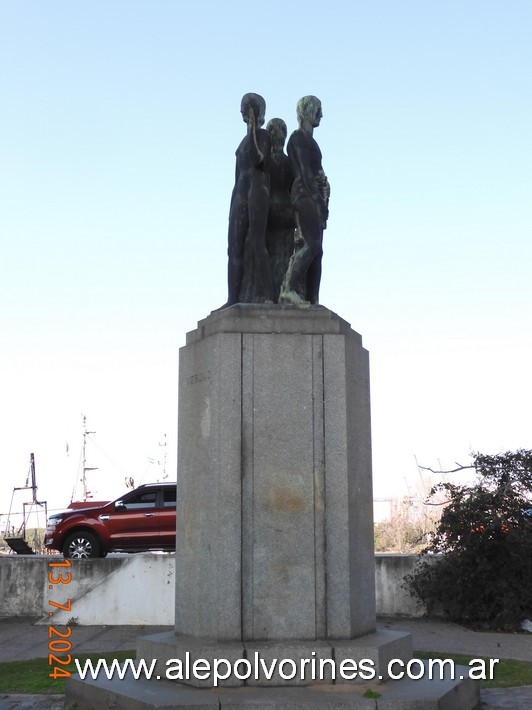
(142, 519)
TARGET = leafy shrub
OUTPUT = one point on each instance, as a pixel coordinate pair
(484, 575)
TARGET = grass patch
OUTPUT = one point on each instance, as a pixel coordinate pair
(371, 694)
(508, 673)
(32, 676)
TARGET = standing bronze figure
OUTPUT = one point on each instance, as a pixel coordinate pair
(310, 197)
(249, 270)
(281, 217)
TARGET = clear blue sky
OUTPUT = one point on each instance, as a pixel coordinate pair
(118, 128)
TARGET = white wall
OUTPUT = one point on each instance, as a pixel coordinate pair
(140, 589)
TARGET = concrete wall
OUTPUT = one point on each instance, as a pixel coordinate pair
(392, 598)
(139, 589)
(22, 585)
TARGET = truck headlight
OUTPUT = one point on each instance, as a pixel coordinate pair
(53, 522)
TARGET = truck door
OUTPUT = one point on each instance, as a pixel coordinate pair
(135, 522)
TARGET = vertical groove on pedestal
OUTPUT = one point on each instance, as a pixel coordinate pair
(320, 542)
(247, 496)
(337, 475)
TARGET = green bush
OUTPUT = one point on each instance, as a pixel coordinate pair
(483, 577)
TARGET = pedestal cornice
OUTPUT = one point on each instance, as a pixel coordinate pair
(275, 319)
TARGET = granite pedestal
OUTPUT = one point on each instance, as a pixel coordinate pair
(274, 516)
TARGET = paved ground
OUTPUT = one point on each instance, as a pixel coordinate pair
(20, 639)
(444, 636)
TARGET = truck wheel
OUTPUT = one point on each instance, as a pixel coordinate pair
(81, 546)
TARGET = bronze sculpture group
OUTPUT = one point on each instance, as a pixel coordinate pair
(279, 209)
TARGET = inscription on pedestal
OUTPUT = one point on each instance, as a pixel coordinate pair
(198, 378)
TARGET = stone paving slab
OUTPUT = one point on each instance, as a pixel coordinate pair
(19, 701)
(507, 698)
(492, 699)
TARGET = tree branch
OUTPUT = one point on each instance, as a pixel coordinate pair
(452, 470)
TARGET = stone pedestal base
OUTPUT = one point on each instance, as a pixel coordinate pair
(275, 506)
(274, 664)
(131, 694)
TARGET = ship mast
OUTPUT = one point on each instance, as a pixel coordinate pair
(163, 445)
(84, 468)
